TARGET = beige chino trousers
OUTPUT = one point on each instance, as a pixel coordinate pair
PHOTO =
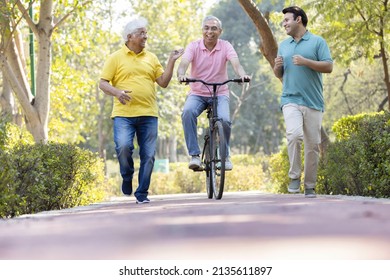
(303, 124)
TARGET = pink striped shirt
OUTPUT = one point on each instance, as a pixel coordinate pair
(209, 66)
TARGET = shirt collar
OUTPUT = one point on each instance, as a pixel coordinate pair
(127, 50)
(305, 37)
(216, 48)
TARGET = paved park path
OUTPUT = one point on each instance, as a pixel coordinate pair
(243, 225)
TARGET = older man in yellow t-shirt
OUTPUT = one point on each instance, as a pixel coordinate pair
(129, 75)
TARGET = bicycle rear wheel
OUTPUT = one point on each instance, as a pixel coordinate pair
(207, 162)
(218, 157)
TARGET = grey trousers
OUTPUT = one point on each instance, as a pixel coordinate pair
(303, 124)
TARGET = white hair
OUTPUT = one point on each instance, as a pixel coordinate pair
(133, 25)
(207, 18)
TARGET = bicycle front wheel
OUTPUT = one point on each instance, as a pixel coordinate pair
(218, 157)
(207, 164)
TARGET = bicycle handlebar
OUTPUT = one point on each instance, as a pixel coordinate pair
(237, 80)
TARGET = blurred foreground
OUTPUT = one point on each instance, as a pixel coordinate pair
(243, 225)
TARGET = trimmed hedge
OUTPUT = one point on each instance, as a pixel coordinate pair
(41, 177)
(51, 176)
(356, 163)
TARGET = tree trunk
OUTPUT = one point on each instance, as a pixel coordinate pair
(39, 125)
(172, 148)
(268, 44)
(102, 132)
(6, 100)
(12, 62)
(102, 139)
(386, 70)
(15, 76)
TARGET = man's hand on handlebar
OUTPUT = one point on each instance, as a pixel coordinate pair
(245, 79)
(182, 79)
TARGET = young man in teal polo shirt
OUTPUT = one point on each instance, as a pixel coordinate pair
(300, 62)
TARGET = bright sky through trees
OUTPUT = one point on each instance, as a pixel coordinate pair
(124, 6)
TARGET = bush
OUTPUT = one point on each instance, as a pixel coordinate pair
(247, 174)
(179, 180)
(358, 162)
(49, 176)
(12, 135)
(278, 169)
(244, 178)
(8, 197)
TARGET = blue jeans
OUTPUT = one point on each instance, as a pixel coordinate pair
(193, 107)
(145, 128)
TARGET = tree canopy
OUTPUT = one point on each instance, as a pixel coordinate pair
(73, 38)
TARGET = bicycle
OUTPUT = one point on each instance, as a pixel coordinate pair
(215, 146)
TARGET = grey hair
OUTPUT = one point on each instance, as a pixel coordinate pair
(207, 18)
(133, 25)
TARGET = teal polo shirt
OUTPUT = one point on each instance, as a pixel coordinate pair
(302, 85)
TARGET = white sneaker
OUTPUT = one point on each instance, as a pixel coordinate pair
(146, 200)
(194, 163)
(228, 164)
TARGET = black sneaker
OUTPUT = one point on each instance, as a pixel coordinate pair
(310, 193)
(127, 188)
(294, 186)
(146, 200)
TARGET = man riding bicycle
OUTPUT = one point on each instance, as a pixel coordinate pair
(208, 58)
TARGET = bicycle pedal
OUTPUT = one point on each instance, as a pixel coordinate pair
(200, 169)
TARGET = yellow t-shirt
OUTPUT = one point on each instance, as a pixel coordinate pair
(137, 73)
